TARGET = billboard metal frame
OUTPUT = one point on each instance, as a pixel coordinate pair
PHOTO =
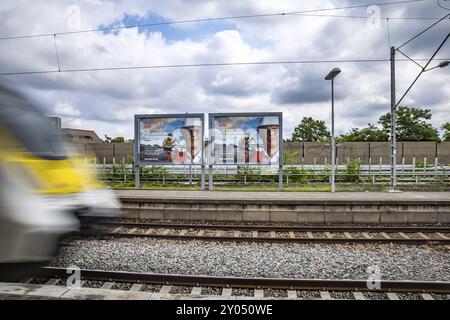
(138, 163)
(249, 114)
(137, 119)
(211, 117)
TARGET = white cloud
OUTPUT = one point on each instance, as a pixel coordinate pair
(106, 101)
(65, 109)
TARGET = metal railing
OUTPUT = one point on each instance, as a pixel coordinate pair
(408, 174)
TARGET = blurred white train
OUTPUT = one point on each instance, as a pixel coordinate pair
(42, 186)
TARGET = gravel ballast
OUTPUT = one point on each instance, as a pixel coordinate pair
(263, 260)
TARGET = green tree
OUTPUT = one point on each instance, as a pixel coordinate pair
(114, 140)
(118, 140)
(371, 133)
(311, 130)
(446, 128)
(412, 124)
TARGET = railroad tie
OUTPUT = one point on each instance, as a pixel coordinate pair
(255, 234)
(423, 235)
(328, 235)
(292, 294)
(116, 230)
(196, 291)
(226, 292)
(136, 287)
(325, 295)
(107, 285)
(201, 233)
(403, 235)
(52, 282)
(259, 294)
(384, 234)
(291, 234)
(164, 290)
(26, 280)
(183, 232)
(133, 230)
(359, 296)
(442, 235)
(366, 235)
(427, 296)
(392, 296)
(149, 231)
(310, 235)
(348, 235)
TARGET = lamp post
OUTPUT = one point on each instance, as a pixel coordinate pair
(330, 76)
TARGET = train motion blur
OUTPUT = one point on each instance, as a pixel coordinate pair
(44, 184)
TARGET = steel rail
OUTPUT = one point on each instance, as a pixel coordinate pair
(252, 282)
(265, 228)
(430, 241)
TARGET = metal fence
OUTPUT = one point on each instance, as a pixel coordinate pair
(418, 171)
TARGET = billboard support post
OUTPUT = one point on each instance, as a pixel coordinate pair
(280, 159)
(202, 179)
(190, 175)
(210, 182)
(137, 181)
(280, 178)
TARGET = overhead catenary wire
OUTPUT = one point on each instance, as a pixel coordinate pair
(363, 17)
(424, 68)
(205, 65)
(409, 58)
(56, 52)
(304, 12)
(388, 32)
(423, 31)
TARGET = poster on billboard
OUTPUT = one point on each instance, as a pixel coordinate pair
(246, 138)
(172, 139)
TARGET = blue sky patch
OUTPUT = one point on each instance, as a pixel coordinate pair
(171, 32)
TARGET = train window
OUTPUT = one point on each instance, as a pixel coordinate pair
(30, 127)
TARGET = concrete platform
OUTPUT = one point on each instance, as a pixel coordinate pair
(295, 207)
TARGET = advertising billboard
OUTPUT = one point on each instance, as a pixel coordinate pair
(172, 139)
(246, 138)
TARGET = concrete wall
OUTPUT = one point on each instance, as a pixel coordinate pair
(308, 152)
(107, 151)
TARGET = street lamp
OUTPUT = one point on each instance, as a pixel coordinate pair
(330, 76)
(443, 64)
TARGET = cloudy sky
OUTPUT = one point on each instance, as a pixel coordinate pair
(105, 101)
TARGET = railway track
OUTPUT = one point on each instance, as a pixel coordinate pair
(227, 284)
(269, 233)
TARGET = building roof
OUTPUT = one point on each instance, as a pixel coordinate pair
(81, 136)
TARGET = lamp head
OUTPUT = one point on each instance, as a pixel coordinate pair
(444, 64)
(333, 73)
